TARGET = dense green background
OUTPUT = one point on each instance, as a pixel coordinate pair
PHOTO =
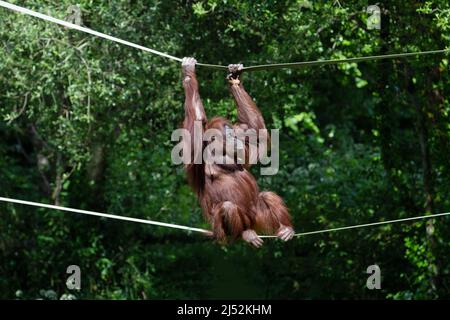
(86, 123)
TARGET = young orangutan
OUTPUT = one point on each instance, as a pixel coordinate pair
(228, 193)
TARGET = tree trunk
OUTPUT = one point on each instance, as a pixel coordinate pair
(428, 188)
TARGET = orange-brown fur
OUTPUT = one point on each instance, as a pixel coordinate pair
(228, 193)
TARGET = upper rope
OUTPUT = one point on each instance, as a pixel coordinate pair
(275, 66)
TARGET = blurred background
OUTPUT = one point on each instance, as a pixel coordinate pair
(86, 123)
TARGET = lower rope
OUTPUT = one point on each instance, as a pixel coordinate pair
(103, 215)
(176, 226)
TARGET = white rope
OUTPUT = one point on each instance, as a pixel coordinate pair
(176, 226)
(83, 29)
(103, 215)
(367, 225)
(97, 34)
(215, 66)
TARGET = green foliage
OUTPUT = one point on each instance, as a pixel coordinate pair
(86, 123)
